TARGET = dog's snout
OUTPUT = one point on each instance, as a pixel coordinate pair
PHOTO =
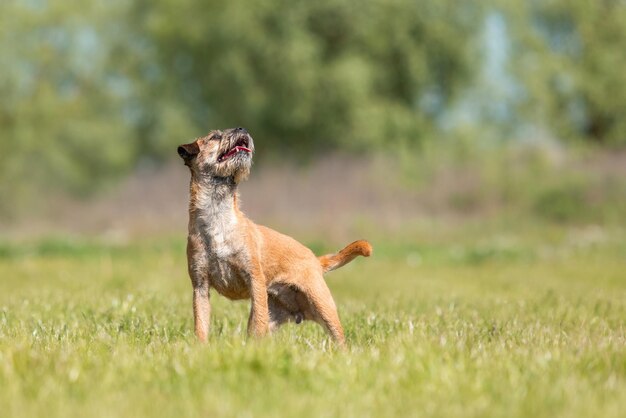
(241, 130)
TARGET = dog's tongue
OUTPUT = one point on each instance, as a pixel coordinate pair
(236, 150)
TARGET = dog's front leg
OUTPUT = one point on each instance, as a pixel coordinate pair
(258, 322)
(198, 273)
(201, 310)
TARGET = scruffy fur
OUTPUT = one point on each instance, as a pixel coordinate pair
(228, 252)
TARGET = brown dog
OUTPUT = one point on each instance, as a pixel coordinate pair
(228, 252)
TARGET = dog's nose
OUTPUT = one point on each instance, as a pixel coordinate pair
(241, 130)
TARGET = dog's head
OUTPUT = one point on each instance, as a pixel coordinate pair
(220, 154)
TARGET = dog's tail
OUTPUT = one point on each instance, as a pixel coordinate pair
(331, 262)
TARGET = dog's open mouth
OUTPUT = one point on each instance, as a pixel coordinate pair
(240, 146)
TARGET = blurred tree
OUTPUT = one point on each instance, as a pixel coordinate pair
(305, 76)
(570, 56)
(91, 88)
(60, 112)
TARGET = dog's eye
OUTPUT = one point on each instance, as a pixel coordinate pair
(216, 136)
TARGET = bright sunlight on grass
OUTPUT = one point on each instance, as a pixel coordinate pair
(465, 323)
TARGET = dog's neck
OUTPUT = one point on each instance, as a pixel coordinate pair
(213, 202)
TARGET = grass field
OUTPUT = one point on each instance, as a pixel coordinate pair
(480, 320)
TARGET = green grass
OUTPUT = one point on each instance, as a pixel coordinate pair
(481, 321)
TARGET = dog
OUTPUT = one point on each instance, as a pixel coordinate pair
(228, 252)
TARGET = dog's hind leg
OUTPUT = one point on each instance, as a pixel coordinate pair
(258, 322)
(323, 308)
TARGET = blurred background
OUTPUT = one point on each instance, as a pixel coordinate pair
(368, 115)
(479, 145)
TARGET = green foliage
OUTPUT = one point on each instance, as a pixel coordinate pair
(92, 89)
(60, 118)
(559, 184)
(308, 75)
(570, 56)
(563, 203)
(581, 200)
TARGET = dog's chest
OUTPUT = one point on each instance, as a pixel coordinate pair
(226, 256)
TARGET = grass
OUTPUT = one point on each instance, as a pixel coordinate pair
(482, 320)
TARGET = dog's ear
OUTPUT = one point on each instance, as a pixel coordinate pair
(188, 151)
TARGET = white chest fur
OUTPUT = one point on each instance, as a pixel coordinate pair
(215, 220)
(219, 234)
(217, 224)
